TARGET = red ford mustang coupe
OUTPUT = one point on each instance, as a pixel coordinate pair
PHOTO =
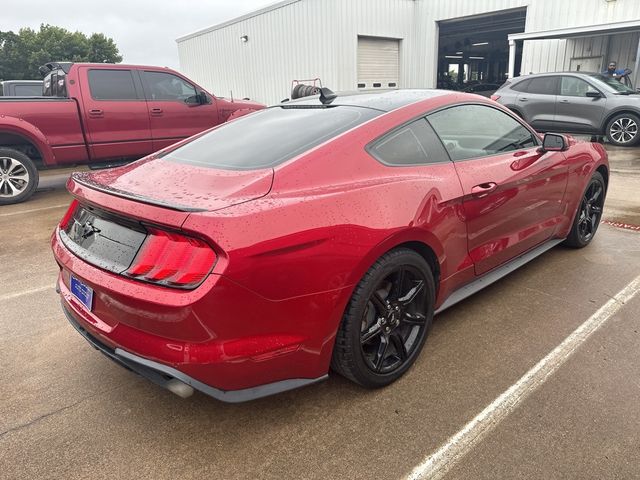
(317, 234)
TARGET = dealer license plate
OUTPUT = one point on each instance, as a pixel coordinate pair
(83, 292)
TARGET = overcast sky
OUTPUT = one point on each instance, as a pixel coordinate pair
(144, 30)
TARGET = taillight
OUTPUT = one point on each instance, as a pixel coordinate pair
(64, 223)
(172, 259)
(495, 97)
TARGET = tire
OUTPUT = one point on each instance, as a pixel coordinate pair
(18, 176)
(295, 93)
(623, 130)
(387, 320)
(589, 213)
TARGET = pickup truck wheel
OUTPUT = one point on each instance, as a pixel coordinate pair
(18, 176)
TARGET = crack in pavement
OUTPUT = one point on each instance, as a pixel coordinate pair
(49, 414)
(41, 417)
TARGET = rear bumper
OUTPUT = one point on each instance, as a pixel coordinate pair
(219, 337)
(162, 375)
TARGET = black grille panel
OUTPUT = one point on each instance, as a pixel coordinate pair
(103, 240)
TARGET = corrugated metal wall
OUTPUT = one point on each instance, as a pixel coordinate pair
(305, 39)
(310, 38)
(556, 55)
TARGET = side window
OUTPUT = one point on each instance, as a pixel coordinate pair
(28, 90)
(112, 85)
(575, 87)
(521, 86)
(165, 86)
(543, 85)
(412, 144)
(472, 131)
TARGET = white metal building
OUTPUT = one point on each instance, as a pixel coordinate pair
(377, 44)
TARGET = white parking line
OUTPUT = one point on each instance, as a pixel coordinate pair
(437, 464)
(11, 214)
(11, 296)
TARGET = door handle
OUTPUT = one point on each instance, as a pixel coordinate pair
(156, 111)
(564, 101)
(96, 113)
(523, 99)
(483, 189)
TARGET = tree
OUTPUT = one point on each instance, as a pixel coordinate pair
(22, 53)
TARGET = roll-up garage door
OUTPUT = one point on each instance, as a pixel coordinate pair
(378, 62)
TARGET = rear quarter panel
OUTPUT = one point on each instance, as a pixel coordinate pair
(583, 158)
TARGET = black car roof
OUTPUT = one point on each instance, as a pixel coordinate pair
(384, 101)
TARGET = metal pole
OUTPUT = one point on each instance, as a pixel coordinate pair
(636, 67)
(512, 58)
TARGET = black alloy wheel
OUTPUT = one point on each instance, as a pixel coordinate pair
(589, 213)
(387, 320)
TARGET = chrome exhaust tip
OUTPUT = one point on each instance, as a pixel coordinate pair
(179, 388)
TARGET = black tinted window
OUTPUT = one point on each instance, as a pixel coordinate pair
(471, 131)
(543, 85)
(166, 86)
(269, 137)
(412, 144)
(521, 86)
(112, 85)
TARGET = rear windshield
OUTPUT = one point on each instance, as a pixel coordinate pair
(269, 137)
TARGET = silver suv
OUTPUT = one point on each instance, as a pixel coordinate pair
(572, 102)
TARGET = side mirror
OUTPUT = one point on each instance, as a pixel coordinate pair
(202, 98)
(554, 142)
(594, 94)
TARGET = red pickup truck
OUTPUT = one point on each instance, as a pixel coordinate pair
(101, 114)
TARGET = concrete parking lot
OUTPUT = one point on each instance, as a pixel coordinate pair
(67, 412)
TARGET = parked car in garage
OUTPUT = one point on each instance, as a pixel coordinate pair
(101, 114)
(321, 232)
(21, 88)
(572, 102)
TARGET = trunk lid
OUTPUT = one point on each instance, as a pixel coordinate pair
(178, 186)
